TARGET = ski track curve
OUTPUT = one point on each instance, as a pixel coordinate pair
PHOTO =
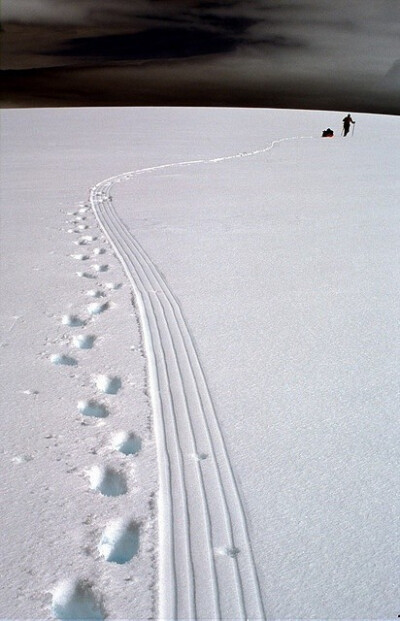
(206, 564)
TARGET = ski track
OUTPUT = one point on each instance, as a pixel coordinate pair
(207, 569)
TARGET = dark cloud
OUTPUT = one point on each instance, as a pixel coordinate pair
(280, 42)
(151, 44)
(234, 24)
(241, 46)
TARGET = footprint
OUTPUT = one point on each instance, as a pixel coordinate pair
(200, 456)
(113, 285)
(63, 359)
(97, 307)
(230, 551)
(77, 599)
(85, 275)
(99, 251)
(80, 257)
(120, 541)
(107, 481)
(92, 408)
(95, 293)
(83, 341)
(82, 227)
(22, 459)
(100, 268)
(107, 384)
(127, 443)
(72, 320)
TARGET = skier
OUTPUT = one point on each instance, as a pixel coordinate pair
(346, 124)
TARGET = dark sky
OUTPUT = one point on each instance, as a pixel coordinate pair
(329, 54)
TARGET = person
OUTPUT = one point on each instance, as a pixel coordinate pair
(346, 124)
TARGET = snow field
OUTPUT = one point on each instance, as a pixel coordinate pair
(285, 272)
(287, 291)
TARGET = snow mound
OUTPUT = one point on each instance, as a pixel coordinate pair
(119, 541)
(76, 599)
(127, 443)
(72, 320)
(97, 307)
(92, 408)
(83, 227)
(98, 250)
(107, 481)
(107, 384)
(83, 341)
(63, 359)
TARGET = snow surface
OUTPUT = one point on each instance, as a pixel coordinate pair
(223, 445)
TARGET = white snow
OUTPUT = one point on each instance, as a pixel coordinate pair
(247, 469)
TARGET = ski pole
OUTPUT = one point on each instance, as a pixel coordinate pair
(352, 131)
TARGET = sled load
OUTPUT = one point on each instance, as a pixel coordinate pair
(327, 133)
